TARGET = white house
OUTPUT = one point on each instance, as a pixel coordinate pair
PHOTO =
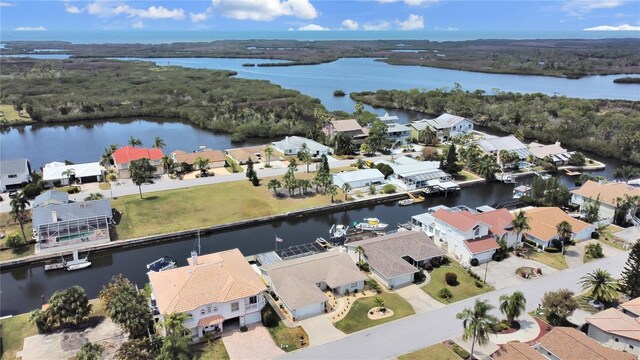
(492, 145)
(447, 126)
(359, 178)
(215, 291)
(83, 173)
(559, 156)
(300, 283)
(398, 133)
(410, 174)
(292, 145)
(543, 222)
(14, 173)
(606, 193)
(615, 329)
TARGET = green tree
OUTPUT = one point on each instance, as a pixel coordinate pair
(90, 351)
(359, 107)
(486, 167)
(630, 279)
(140, 171)
(520, 224)
(366, 149)
(564, 231)
(332, 190)
(594, 250)
(559, 304)
(274, 184)
(380, 303)
(268, 153)
(69, 307)
(427, 136)
(70, 174)
(14, 242)
(360, 251)
(592, 210)
(304, 185)
(345, 189)
(19, 211)
(202, 164)
(626, 173)
(173, 325)
(134, 141)
(175, 348)
(135, 349)
(343, 144)
(451, 165)
(289, 178)
(512, 306)
(126, 306)
(106, 158)
(577, 159)
(167, 164)
(360, 163)
(305, 157)
(250, 171)
(94, 196)
(478, 323)
(600, 286)
(158, 143)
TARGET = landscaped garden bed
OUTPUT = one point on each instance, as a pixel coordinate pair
(464, 287)
(358, 316)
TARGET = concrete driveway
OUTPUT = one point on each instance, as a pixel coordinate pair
(420, 301)
(320, 329)
(503, 274)
(255, 344)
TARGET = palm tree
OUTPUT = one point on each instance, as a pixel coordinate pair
(487, 167)
(274, 185)
(173, 325)
(564, 231)
(360, 163)
(134, 142)
(520, 224)
(600, 286)
(69, 173)
(202, 164)
(427, 136)
(268, 152)
(167, 164)
(512, 306)
(158, 142)
(360, 251)
(105, 158)
(19, 211)
(343, 143)
(175, 348)
(333, 191)
(478, 323)
(380, 302)
(346, 188)
(306, 158)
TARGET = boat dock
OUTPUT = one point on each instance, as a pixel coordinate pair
(416, 199)
(54, 266)
(571, 173)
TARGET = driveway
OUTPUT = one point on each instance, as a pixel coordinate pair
(255, 344)
(575, 254)
(320, 329)
(503, 274)
(529, 330)
(420, 301)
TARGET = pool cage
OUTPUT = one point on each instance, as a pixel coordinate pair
(69, 232)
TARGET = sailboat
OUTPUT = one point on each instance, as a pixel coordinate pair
(77, 263)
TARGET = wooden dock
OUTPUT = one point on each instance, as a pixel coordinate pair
(416, 199)
(54, 266)
(571, 173)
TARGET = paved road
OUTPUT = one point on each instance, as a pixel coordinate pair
(412, 333)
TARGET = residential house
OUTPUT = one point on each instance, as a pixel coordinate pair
(216, 158)
(616, 329)
(516, 350)
(607, 193)
(447, 126)
(59, 224)
(359, 178)
(243, 154)
(492, 145)
(300, 283)
(631, 308)
(397, 133)
(555, 152)
(410, 174)
(123, 157)
(397, 257)
(349, 127)
(292, 145)
(417, 127)
(468, 235)
(14, 174)
(543, 222)
(81, 173)
(214, 291)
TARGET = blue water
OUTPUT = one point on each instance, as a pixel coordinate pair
(159, 36)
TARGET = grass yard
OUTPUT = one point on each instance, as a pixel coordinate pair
(104, 186)
(283, 335)
(608, 237)
(10, 227)
(465, 175)
(207, 205)
(466, 287)
(13, 331)
(357, 318)
(9, 115)
(211, 350)
(555, 260)
(433, 352)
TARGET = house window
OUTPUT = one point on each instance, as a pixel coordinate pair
(253, 300)
(13, 176)
(616, 339)
(235, 306)
(476, 232)
(202, 311)
(355, 284)
(631, 347)
(209, 309)
(215, 308)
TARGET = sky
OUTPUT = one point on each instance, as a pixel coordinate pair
(320, 15)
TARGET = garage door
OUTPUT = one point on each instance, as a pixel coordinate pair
(309, 310)
(401, 280)
(252, 318)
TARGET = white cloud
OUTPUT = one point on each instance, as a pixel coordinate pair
(349, 24)
(137, 24)
(106, 9)
(625, 27)
(312, 27)
(72, 8)
(31, 28)
(5, 4)
(265, 10)
(380, 25)
(582, 7)
(413, 22)
(410, 2)
(445, 28)
(197, 17)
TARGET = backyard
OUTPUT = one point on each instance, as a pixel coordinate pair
(10, 227)
(357, 318)
(433, 352)
(465, 288)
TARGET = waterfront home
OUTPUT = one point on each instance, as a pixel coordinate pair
(292, 145)
(492, 145)
(616, 329)
(543, 222)
(561, 343)
(632, 308)
(608, 193)
(555, 152)
(59, 172)
(447, 126)
(14, 174)
(300, 283)
(216, 158)
(51, 197)
(123, 157)
(216, 292)
(243, 154)
(410, 174)
(417, 127)
(397, 257)
(359, 178)
(397, 133)
(349, 127)
(59, 224)
(466, 234)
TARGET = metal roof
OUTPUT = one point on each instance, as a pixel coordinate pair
(15, 166)
(55, 196)
(359, 175)
(71, 211)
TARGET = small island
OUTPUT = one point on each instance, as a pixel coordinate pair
(339, 93)
(627, 80)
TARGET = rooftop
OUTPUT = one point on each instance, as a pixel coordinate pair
(244, 153)
(15, 166)
(216, 278)
(543, 222)
(57, 170)
(51, 197)
(632, 306)
(362, 174)
(296, 142)
(445, 121)
(541, 151)
(616, 322)
(569, 343)
(71, 211)
(346, 125)
(608, 192)
(420, 124)
(509, 143)
(128, 154)
(461, 220)
(517, 351)
(477, 246)
(190, 157)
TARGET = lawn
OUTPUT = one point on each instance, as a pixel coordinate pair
(10, 115)
(13, 331)
(283, 335)
(206, 205)
(466, 287)
(433, 352)
(211, 350)
(555, 260)
(104, 186)
(464, 175)
(10, 227)
(608, 237)
(357, 318)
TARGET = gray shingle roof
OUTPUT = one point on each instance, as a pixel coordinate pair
(71, 211)
(51, 197)
(15, 166)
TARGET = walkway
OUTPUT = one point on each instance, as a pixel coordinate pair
(420, 301)
(529, 330)
(255, 344)
(421, 330)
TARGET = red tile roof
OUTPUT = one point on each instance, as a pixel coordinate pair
(477, 246)
(210, 320)
(498, 220)
(461, 220)
(128, 154)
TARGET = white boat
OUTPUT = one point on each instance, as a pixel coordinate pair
(371, 224)
(338, 231)
(162, 264)
(406, 202)
(77, 263)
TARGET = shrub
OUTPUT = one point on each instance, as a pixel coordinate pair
(389, 189)
(420, 276)
(372, 189)
(269, 317)
(14, 241)
(428, 267)
(474, 262)
(243, 328)
(460, 351)
(430, 154)
(445, 293)
(451, 279)
(552, 249)
(373, 285)
(365, 267)
(385, 169)
(31, 191)
(90, 351)
(527, 200)
(479, 284)
(339, 93)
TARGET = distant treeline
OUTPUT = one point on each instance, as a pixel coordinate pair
(606, 127)
(69, 90)
(627, 80)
